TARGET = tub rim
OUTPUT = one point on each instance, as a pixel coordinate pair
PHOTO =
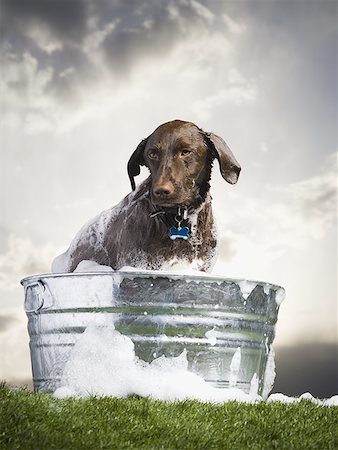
(151, 274)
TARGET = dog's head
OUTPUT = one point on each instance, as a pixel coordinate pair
(179, 156)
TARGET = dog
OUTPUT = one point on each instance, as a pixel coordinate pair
(168, 218)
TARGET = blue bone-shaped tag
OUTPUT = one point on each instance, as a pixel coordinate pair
(179, 233)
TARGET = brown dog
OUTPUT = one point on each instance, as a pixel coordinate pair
(168, 218)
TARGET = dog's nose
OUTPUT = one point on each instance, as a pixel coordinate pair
(164, 190)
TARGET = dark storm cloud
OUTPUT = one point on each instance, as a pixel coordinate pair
(311, 367)
(65, 18)
(69, 34)
(150, 29)
(53, 32)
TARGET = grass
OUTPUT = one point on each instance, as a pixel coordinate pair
(37, 421)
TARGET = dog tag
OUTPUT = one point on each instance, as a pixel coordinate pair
(179, 233)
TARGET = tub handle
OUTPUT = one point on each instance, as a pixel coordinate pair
(40, 294)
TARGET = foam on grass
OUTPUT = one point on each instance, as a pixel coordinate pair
(103, 363)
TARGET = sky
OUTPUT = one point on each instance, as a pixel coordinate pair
(83, 81)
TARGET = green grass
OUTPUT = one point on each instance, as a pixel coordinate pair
(37, 421)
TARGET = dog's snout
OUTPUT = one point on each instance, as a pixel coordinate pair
(164, 190)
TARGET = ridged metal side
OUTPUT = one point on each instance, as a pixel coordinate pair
(162, 313)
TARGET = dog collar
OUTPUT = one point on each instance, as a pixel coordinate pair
(177, 219)
(180, 232)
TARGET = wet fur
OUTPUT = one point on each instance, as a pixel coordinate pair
(126, 235)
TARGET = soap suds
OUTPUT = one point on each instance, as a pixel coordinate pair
(280, 296)
(246, 287)
(254, 385)
(211, 335)
(234, 368)
(270, 373)
(86, 266)
(103, 363)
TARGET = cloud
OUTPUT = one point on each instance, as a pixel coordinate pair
(64, 22)
(234, 26)
(56, 98)
(120, 33)
(58, 61)
(289, 217)
(238, 91)
(26, 78)
(309, 206)
(23, 85)
(263, 147)
(6, 322)
(14, 343)
(23, 258)
(150, 29)
(44, 39)
(236, 94)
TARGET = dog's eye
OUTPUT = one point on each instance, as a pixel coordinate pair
(185, 152)
(153, 155)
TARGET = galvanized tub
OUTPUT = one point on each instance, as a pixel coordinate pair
(163, 313)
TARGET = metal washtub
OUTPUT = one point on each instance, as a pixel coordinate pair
(163, 313)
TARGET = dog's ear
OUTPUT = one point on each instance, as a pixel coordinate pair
(136, 160)
(228, 164)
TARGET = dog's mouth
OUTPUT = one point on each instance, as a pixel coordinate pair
(192, 201)
(170, 205)
(172, 201)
